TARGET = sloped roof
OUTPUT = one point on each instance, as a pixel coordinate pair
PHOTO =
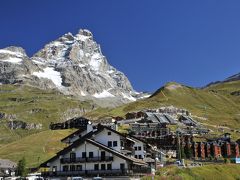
(87, 138)
(134, 160)
(74, 133)
(6, 163)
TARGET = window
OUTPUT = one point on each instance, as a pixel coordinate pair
(79, 167)
(103, 167)
(72, 157)
(109, 166)
(83, 154)
(122, 166)
(109, 143)
(65, 168)
(135, 148)
(114, 143)
(139, 156)
(96, 167)
(139, 148)
(91, 154)
(109, 133)
(72, 167)
(135, 156)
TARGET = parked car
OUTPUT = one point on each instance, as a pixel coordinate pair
(97, 178)
(76, 178)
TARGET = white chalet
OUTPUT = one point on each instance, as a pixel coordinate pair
(101, 151)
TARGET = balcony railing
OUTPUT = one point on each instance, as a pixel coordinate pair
(112, 172)
(87, 159)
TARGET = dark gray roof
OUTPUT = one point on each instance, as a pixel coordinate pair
(160, 118)
(7, 164)
(170, 119)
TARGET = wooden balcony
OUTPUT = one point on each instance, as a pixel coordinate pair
(87, 159)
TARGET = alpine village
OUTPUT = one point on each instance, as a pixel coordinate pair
(65, 113)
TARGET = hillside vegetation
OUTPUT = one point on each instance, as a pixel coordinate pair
(32, 105)
(218, 108)
(36, 148)
(208, 172)
(215, 103)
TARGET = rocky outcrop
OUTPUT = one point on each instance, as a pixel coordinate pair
(2, 115)
(23, 125)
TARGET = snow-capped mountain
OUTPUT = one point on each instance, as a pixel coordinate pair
(72, 64)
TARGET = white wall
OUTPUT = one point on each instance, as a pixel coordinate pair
(139, 152)
(89, 165)
(103, 138)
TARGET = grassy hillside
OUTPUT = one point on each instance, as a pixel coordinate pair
(227, 88)
(33, 105)
(208, 172)
(216, 107)
(36, 148)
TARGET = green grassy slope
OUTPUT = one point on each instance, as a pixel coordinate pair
(216, 107)
(33, 105)
(36, 148)
(226, 88)
(208, 172)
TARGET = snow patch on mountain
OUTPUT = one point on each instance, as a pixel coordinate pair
(103, 94)
(13, 60)
(96, 61)
(8, 52)
(51, 74)
(129, 97)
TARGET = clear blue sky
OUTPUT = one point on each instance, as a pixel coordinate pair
(151, 41)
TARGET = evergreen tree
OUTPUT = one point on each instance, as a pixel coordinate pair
(183, 155)
(188, 152)
(21, 168)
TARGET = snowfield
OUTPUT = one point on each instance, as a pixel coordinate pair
(51, 74)
(104, 94)
(4, 51)
(13, 60)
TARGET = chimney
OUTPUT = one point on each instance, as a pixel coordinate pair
(89, 127)
(115, 125)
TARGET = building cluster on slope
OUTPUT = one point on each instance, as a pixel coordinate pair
(153, 126)
(100, 150)
(212, 148)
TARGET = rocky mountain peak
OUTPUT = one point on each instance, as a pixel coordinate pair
(72, 64)
(85, 32)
